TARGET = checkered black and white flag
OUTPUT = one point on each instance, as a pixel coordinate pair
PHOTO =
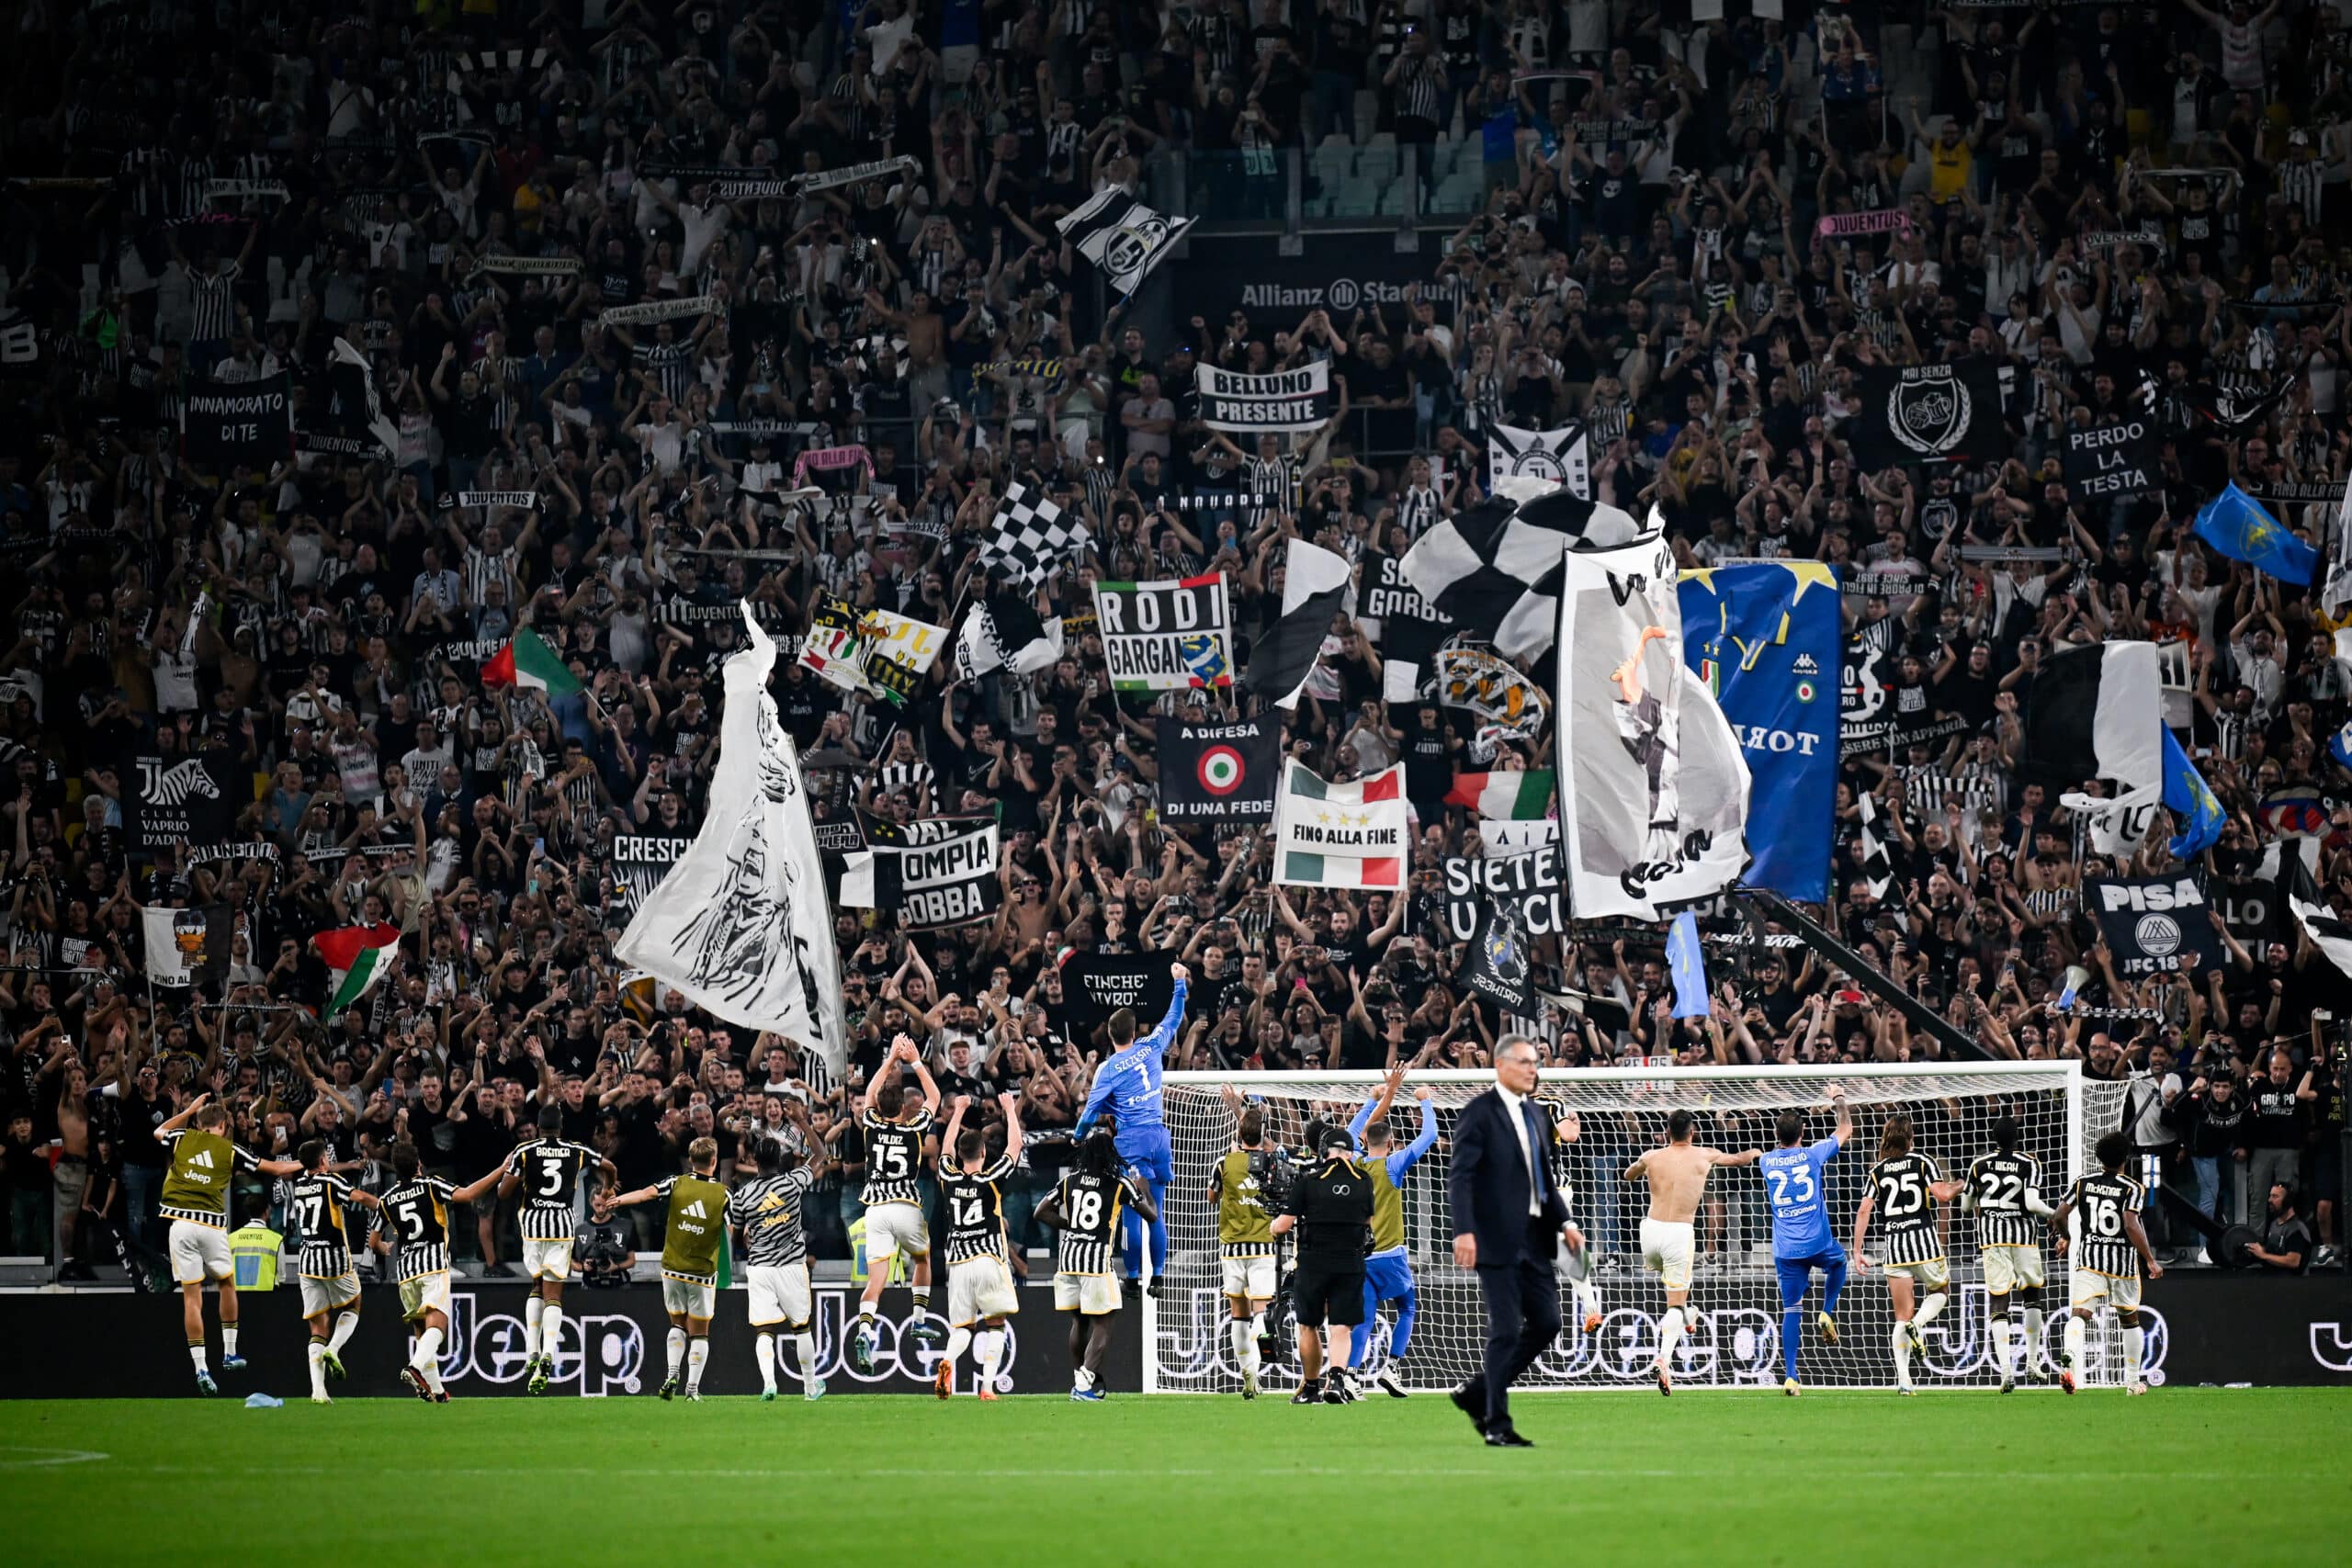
(1122, 236)
(1869, 850)
(1031, 535)
(1498, 563)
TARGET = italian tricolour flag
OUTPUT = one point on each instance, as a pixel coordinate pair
(530, 663)
(1341, 835)
(360, 956)
(1505, 797)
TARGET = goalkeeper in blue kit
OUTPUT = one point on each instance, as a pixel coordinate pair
(1802, 1239)
(1128, 1086)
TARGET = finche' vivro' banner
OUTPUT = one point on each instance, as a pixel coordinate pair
(1217, 772)
(1096, 984)
(939, 870)
(239, 422)
(1166, 636)
(1530, 881)
(1278, 401)
(1763, 637)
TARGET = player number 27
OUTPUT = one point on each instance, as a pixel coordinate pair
(1790, 1187)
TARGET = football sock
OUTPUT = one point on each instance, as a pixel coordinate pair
(1252, 1358)
(1901, 1339)
(922, 1294)
(228, 1340)
(695, 1357)
(196, 1354)
(1792, 1333)
(427, 1359)
(2135, 1345)
(2032, 1345)
(2075, 1332)
(677, 1348)
(865, 1319)
(805, 1342)
(346, 1324)
(1929, 1310)
(534, 1308)
(2001, 1364)
(550, 1331)
(956, 1340)
(989, 1347)
(1669, 1332)
(1588, 1296)
(1245, 1344)
(318, 1354)
(763, 1351)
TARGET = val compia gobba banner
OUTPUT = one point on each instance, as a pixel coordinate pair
(1166, 636)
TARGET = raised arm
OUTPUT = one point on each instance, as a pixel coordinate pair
(1404, 1159)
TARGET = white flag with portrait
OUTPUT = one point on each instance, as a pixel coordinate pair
(741, 925)
(1653, 787)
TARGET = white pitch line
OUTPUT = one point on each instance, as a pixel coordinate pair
(55, 1457)
(807, 1473)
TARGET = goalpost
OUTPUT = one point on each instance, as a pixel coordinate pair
(1621, 1111)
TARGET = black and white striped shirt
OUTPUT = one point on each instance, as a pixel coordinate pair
(215, 297)
(416, 1213)
(1091, 1206)
(974, 1204)
(916, 777)
(2102, 1246)
(549, 1171)
(2298, 182)
(1997, 1187)
(1907, 1209)
(893, 1156)
(318, 1200)
(768, 1210)
(671, 367)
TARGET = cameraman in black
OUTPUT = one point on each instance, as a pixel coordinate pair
(601, 1245)
(1330, 1208)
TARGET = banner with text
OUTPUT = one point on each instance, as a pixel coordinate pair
(1278, 401)
(1166, 636)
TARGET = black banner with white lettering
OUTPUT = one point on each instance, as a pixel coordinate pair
(2113, 462)
(1384, 595)
(2150, 922)
(1280, 399)
(1218, 772)
(639, 863)
(239, 422)
(1530, 882)
(191, 800)
(1924, 413)
(1096, 984)
(939, 870)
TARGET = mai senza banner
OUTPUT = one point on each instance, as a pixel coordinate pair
(1166, 636)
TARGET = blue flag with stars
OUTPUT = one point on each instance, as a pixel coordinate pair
(2192, 802)
(2236, 525)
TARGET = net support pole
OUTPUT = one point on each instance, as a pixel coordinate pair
(1817, 936)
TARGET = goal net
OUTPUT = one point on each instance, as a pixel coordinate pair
(1619, 1113)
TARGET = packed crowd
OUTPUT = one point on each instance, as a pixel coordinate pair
(228, 193)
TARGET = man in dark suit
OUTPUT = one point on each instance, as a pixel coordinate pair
(1508, 1218)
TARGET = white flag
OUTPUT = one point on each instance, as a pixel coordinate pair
(1122, 236)
(741, 925)
(1653, 787)
(1561, 457)
(172, 956)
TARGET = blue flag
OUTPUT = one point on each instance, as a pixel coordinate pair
(2192, 802)
(2339, 745)
(2236, 525)
(1688, 965)
(1765, 637)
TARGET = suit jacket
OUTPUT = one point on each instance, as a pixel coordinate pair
(1486, 1180)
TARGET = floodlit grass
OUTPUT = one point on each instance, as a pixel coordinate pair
(2210, 1476)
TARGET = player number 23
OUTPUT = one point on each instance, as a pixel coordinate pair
(1790, 1187)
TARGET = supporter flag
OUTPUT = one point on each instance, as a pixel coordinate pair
(352, 411)
(1510, 797)
(1122, 236)
(2339, 745)
(360, 956)
(1653, 787)
(1315, 589)
(2095, 711)
(1869, 850)
(1031, 535)
(1687, 965)
(1217, 772)
(2241, 528)
(1498, 564)
(1763, 637)
(2335, 593)
(2191, 802)
(739, 925)
(2318, 921)
(1556, 457)
(175, 942)
(1498, 966)
(1341, 835)
(1004, 631)
(530, 663)
(1924, 413)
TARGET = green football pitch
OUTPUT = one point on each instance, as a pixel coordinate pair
(2207, 1476)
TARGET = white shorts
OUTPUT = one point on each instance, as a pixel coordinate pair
(1089, 1295)
(1250, 1279)
(1666, 1251)
(2010, 1269)
(323, 1296)
(779, 1294)
(200, 1253)
(893, 1228)
(684, 1296)
(548, 1259)
(979, 1288)
(2083, 1288)
(427, 1293)
(1932, 1275)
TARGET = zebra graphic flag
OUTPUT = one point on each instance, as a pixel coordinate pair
(741, 925)
(1123, 236)
(1560, 456)
(185, 800)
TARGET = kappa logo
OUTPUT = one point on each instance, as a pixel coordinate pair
(1804, 664)
(1930, 415)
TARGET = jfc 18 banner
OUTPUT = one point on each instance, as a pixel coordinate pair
(1217, 772)
(1166, 636)
(1763, 637)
